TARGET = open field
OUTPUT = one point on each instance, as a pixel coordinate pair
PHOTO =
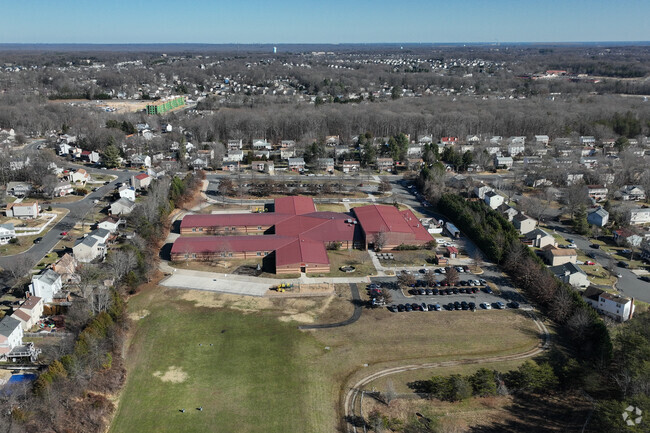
(264, 375)
(357, 258)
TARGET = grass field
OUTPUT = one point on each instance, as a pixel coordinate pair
(262, 374)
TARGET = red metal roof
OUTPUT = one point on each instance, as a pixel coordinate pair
(212, 244)
(421, 233)
(142, 176)
(297, 205)
(301, 251)
(377, 218)
(234, 220)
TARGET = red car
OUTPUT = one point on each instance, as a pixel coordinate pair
(64, 233)
(589, 262)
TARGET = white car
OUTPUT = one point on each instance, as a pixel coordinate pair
(486, 306)
(572, 246)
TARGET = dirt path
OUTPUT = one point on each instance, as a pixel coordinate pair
(351, 403)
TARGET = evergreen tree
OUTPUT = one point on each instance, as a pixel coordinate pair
(580, 224)
(111, 156)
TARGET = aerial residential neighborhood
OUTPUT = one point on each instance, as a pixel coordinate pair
(345, 237)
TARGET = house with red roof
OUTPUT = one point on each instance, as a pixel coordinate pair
(295, 236)
(141, 181)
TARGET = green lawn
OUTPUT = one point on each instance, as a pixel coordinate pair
(262, 374)
(251, 380)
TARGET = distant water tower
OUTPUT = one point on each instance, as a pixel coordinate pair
(275, 50)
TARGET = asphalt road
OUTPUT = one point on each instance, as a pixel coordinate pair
(356, 314)
(77, 210)
(629, 284)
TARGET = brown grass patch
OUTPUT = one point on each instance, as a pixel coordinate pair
(173, 375)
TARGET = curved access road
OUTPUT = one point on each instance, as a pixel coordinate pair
(356, 314)
(351, 403)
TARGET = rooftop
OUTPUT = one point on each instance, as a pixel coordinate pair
(7, 325)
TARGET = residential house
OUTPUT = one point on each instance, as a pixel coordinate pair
(571, 273)
(503, 162)
(230, 166)
(258, 166)
(326, 164)
(493, 199)
(481, 190)
(350, 166)
(62, 189)
(140, 160)
(109, 223)
(532, 160)
(263, 153)
(558, 256)
(523, 224)
(234, 155)
(341, 150)
(18, 189)
(7, 233)
(80, 176)
(141, 181)
(286, 144)
(448, 141)
(598, 217)
(66, 266)
(45, 285)
(90, 156)
(287, 152)
(496, 139)
(166, 127)
(472, 139)
(23, 210)
(508, 212)
(65, 149)
(414, 150)
(332, 140)
(631, 193)
(427, 139)
(92, 246)
(234, 145)
(296, 164)
(573, 178)
(640, 216)
(542, 139)
(538, 238)
(123, 206)
(18, 162)
(416, 163)
(385, 164)
(597, 192)
(11, 336)
(627, 237)
(617, 307)
(587, 140)
(29, 312)
(516, 148)
(260, 143)
(199, 164)
(127, 192)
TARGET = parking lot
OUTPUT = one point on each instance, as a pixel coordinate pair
(480, 294)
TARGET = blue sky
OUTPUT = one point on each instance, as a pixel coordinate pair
(328, 21)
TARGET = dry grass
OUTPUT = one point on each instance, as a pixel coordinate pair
(264, 375)
(330, 207)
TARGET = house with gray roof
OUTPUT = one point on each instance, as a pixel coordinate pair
(7, 233)
(11, 336)
(123, 206)
(88, 249)
(571, 273)
(46, 285)
(538, 238)
(598, 217)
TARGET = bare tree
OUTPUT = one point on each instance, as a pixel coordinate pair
(405, 279)
(574, 196)
(379, 240)
(390, 394)
(534, 207)
(451, 277)
(561, 305)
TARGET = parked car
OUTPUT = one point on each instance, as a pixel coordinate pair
(423, 307)
(626, 251)
(38, 240)
(514, 304)
(572, 246)
(591, 255)
(622, 264)
(400, 308)
(590, 263)
(595, 246)
(472, 306)
(408, 308)
(645, 278)
(486, 306)
(437, 307)
(500, 305)
(488, 290)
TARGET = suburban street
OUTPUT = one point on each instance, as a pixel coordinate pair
(77, 210)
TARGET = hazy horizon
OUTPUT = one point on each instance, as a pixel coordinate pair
(334, 22)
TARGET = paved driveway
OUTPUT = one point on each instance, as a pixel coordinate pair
(196, 281)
